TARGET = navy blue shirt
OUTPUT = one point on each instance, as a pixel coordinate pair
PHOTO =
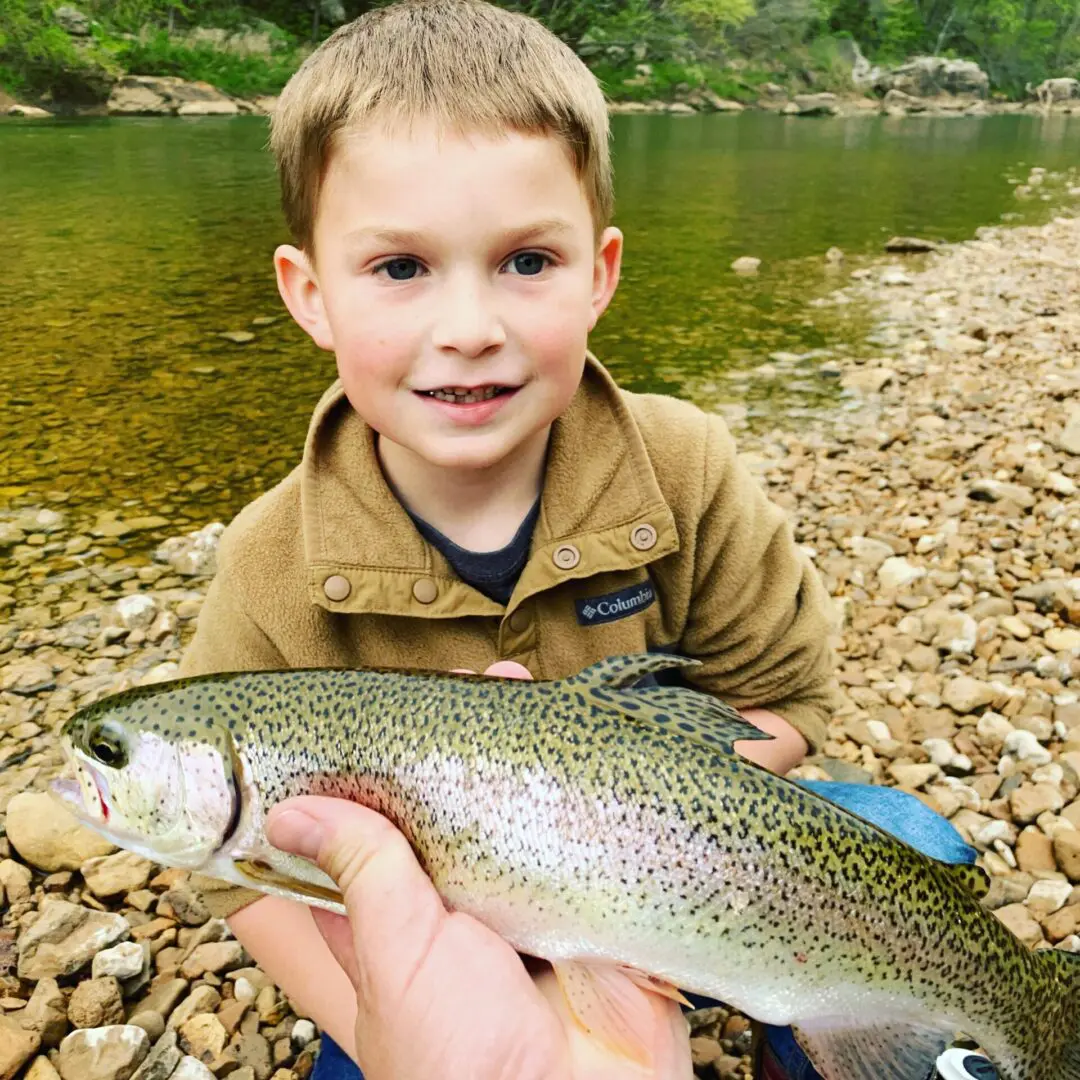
(494, 573)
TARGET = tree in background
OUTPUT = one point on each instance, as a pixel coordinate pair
(797, 41)
(1015, 41)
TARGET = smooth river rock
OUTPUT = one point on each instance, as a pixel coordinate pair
(43, 832)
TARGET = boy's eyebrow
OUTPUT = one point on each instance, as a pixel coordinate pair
(546, 227)
(407, 239)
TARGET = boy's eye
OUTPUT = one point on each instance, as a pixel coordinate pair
(528, 263)
(402, 269)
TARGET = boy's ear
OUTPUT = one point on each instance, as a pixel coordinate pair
(606, 271)
(299, 288)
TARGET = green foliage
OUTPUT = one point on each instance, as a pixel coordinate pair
(242, 75)
(1015, 41)
(730, 45)
(38, 58)
(712, 15)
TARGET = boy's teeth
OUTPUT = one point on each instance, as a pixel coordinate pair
(465, 397)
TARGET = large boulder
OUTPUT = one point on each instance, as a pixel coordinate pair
(72, 21)
(1050, 91)
(29, 111)
(815, 105)
(166, 95)
(931, 76)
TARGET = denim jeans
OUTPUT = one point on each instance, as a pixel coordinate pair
(902, 815)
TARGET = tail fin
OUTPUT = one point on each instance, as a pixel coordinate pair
(1067, 971)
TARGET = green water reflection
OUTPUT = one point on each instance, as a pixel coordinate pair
(131, 245)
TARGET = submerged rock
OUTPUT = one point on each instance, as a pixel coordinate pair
(746, 264)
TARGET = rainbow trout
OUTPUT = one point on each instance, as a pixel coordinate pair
(606, 827)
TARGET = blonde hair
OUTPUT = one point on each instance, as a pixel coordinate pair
(465, 64)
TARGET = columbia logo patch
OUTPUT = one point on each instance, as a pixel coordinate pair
(596, 610)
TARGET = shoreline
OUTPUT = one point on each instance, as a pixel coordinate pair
(154, 95)
(942, 507)
(837, 106)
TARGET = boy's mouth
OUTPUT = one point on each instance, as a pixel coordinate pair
(463, 395)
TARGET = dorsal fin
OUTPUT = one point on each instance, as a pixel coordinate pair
(691, 714)
(1067, 963)
(974, 878)
(619, 672)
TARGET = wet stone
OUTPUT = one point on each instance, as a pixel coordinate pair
(96, 1003)
(123, 961)
(108, 1053)
(162, 1060)
(65, 938)
(203, 999)
(111, 875)
(184, 904)
(216, 957)
(46, 1013)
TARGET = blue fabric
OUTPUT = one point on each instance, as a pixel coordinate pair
(898, 813)
(908, 819)
(904, 816)
(333, 1063)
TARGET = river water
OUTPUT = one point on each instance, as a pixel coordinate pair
(131, 245)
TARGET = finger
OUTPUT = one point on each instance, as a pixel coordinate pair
(508, 669)
(394, 910)
(337, 933)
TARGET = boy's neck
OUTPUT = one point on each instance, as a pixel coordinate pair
(478, 509)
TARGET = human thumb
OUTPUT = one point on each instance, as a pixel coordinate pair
(393, 909)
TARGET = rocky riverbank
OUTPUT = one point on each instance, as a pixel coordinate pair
(154, 95)
(941, 506)
(925, 86)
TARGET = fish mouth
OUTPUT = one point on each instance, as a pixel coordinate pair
(68, 791)
(82, 791)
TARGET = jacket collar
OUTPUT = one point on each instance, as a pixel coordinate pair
(599, 487)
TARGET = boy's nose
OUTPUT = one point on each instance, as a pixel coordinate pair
(468, 322)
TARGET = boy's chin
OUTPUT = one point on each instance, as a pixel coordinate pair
(468, 454)
(457, 458)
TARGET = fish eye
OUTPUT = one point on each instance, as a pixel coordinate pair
(107, 745)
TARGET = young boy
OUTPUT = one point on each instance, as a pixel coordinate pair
(475, 488)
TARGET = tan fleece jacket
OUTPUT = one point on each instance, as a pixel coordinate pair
(651, 535)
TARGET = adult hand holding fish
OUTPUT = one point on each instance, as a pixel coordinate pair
(415, 966)
(606, 826)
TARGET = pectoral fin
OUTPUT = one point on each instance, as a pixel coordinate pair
(256, 874)
(611, 1003)
(842, 1046)
(654, 985)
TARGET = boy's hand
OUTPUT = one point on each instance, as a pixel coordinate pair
(437, 993)
(501, 669)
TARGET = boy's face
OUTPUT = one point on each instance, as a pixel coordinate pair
(457, 279)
